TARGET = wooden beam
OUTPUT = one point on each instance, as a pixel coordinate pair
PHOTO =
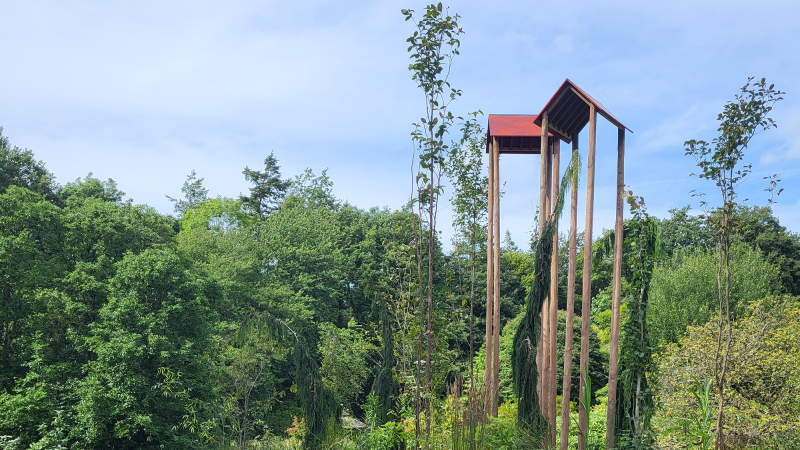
(554, 296)
(582, 97)
(487, 372)
(562, 132)
(586, 304)
(568, 331)
(558, 106)
(556, 101)
(574, 122)
(543, 146)
(616, 294)
(496, 288)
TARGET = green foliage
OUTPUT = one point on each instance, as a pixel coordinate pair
(242, 365)
(344, 360)
(384, 435)
(762, 408)
(268, 189)
(157, 316)
(684, 289)
(385, 387)
(698, 428)
(682, 232)
(635, 403)
(90, 187)
(465, 170)
(758, 227)
(219, 215)
(320, 405)
(19, 167)
(433, 47)
(596, 422)
(193, 193)
(740, 120)
(585, 400)
(598, 362)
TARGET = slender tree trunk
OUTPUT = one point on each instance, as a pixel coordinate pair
(429, 332)
(728, 330)
(472, 397)
(418, 375)
(717, 369)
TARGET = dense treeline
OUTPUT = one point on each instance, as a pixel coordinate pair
(125, 328)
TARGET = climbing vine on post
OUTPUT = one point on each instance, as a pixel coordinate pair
(432, 46)
(719, 161)
(635, 405)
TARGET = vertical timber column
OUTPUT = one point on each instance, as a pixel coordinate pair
(543, 146)
(545, 338)
(568, 332)
(487, 371)
(554, 294)
(586, 304)
(615, 295)
(496, 274)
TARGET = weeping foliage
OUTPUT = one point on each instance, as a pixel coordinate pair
(385, 387)
(526, 340)
(318, 402)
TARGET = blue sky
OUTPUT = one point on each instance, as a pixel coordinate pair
(143, 92)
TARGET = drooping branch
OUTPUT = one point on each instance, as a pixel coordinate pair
(526, 339)
(319, 403)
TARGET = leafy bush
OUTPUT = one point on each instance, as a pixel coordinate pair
(762, 407)
(684, 290)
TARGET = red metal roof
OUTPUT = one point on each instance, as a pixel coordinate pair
(568, 111)
(513, 125)
(516, 133)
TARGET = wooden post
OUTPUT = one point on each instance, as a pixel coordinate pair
(487, 372)
(568, 332)
(542, 217)
(586, 304)
(615, 295)
(554, 296)
(496, 273)
(545, 338)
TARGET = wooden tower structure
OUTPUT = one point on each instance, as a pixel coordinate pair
(562, 119)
